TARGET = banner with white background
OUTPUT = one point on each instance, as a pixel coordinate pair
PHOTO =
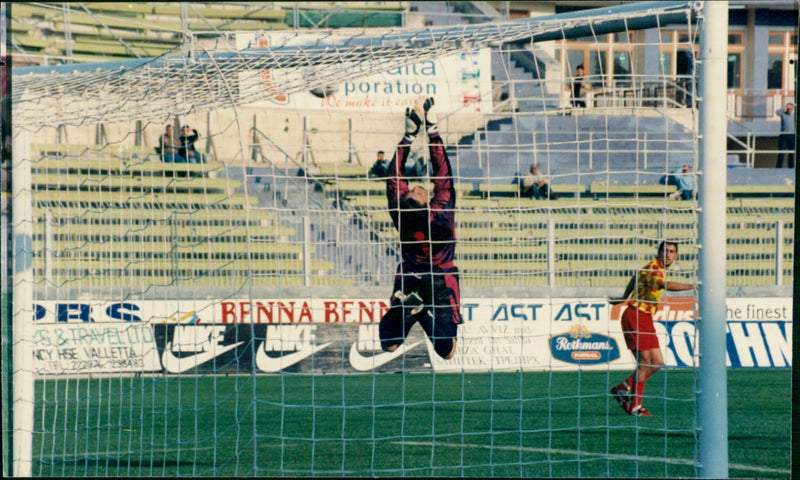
(318, 335)
(459, 82)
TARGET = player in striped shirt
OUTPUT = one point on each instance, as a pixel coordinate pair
(638, 328)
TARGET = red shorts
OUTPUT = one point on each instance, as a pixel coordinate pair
(638, 329)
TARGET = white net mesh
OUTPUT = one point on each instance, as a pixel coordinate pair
(221, 317)
(201, 81)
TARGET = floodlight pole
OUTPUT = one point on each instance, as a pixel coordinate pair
(713, 391)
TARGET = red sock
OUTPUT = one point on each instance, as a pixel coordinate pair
(631, 380)
(638, 393)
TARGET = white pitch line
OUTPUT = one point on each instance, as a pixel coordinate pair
(610, 456)
(557, 451)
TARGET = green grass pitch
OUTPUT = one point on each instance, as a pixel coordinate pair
(478, 425)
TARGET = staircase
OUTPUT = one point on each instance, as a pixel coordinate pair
(336, 234)
(578, 149)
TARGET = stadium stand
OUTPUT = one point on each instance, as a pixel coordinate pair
(503, 240)
(102, 219)
(353, 16)
(563, 145)
(102, 31)
(494, 223)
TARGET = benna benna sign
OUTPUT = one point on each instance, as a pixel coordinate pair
(325, 335)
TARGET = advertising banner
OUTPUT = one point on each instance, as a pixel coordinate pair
(759, 332)
(459, 82)
(82, 348)
(318, 335)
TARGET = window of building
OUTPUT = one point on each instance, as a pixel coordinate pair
(734, 70)
(775, 71)
(781, 61)
(595, 54)
(735, 55)
(776, 39)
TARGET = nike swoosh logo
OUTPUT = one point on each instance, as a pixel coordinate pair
(364, 363)
(174, 364)
(265, 363)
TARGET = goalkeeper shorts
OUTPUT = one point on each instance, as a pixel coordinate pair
(432, 299)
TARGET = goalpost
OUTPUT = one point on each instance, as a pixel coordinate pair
(220, 318)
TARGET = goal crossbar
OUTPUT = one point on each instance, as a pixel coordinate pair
(109, 91)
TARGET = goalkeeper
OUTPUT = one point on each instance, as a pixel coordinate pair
(638, 328)
(426, 283)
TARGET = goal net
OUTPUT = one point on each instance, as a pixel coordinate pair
(216, 312)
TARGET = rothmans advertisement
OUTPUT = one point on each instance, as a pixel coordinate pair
(460, 82)
(341, 336)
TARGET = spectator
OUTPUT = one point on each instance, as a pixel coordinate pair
(187, 149)
(688, 83)
(534, 185)
(786, 140)
(169, 146)
(381, 166)
(579, 88)
(685, 181)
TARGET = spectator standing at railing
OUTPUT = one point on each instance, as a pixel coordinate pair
(689, 84)
(786, 140)
(579, 88)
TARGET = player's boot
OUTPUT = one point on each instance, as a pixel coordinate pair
(622, 395)
(639, 411)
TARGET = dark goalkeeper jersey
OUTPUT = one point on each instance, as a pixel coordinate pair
(427, 235)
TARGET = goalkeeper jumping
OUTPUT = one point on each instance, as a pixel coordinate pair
(426, 283)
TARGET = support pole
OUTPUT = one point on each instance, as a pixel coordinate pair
(306, 251)
(138, 134)
(305, 144)
(48, 246)
(551, 252)
(779, 253)
(350, 140)
(22, 304)
(712, 412)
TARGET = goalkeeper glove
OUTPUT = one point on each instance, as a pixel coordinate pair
(430, 116)
(412, 124)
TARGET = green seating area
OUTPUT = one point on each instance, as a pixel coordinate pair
(333, 15)
(104, 218)
(599, 240)
(512, 190)
(116, 31)
(601, 190)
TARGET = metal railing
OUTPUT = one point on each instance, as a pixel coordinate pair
(348, 236)
(659, 93)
